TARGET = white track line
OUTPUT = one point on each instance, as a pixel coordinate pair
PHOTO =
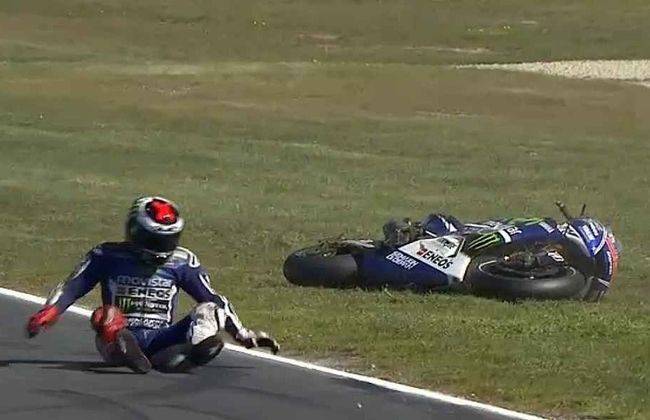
(342, 374)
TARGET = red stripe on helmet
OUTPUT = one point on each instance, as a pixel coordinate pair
(162, 212)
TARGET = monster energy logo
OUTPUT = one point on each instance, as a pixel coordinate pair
(126, 304)
(484, 241)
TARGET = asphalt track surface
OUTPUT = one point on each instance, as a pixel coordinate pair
(58, 375)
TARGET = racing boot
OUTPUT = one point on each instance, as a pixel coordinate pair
(203, 352)
(182, 358)
(132, 355)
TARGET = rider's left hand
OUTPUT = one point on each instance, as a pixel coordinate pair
(258, 339)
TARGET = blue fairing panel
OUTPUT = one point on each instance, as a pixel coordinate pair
(592, 233)
(392, 268)
(600, 244)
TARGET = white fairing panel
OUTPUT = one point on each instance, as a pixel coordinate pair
(442, 253)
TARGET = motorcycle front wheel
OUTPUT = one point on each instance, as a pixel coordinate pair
(496, 276)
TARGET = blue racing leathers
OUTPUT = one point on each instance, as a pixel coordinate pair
(145, 291)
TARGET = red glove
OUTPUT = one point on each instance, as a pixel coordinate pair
(44, 318)
(108, 320)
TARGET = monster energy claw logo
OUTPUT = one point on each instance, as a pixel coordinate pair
(484, 241)
(126, 304)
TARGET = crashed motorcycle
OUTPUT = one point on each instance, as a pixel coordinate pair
(520, 258)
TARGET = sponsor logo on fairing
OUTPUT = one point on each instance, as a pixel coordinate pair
(588, 232)
(450, 245)
(592, 233)
(442, 254)
(433, 257)
(548, 228)
(402, 260)
(485, 240)
(612, 256)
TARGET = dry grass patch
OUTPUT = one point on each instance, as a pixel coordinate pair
(637, 71)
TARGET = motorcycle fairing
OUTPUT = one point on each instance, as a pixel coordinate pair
(610, 258)
(592, 233)
(491, 234)
(392, 268)
(442, 254)
(438, 262)
(597, 242)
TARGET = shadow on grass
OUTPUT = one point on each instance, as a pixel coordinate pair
(450, 291)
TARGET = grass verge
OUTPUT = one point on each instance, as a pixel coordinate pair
(270, 140)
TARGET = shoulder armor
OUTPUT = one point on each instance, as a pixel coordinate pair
(185, 256)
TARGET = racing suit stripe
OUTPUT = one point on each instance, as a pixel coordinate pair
(81, 281)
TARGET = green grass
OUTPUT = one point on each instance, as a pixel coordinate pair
(276, 123)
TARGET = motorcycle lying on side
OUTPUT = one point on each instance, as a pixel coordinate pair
(521, 258)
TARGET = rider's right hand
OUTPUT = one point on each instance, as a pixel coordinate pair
(44, 318)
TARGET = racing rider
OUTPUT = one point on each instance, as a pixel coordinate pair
(140, 279)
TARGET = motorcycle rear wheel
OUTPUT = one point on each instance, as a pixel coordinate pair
(321, 265)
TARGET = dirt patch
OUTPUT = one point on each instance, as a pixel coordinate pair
(318, 36)
(445, 49)
(637, 71)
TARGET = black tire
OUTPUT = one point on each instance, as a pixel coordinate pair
(484, 277)
(317, 266)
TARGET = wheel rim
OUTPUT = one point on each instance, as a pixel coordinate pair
(516, 270)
